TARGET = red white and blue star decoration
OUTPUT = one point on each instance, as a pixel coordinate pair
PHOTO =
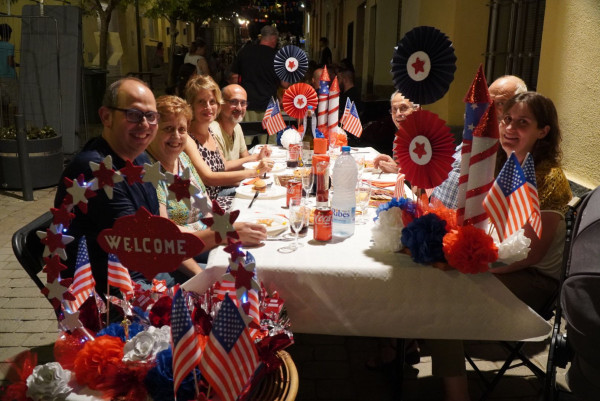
(152, 174)
(423, 148)
(221, 222)
(132, 172)
(291, 63)
(105, 177)
(423, 65)
(78, 193)
(54, 242)
(243, 275)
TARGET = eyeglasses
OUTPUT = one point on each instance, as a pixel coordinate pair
(236, 103)
(403, 108)
(518, 123)
(137, 116)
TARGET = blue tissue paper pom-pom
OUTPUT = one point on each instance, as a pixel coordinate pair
(423, 237)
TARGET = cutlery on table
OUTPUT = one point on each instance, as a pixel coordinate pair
(253, 199)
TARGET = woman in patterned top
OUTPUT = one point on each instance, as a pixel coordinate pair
(220, 176)
(167, 148)
(529, 124)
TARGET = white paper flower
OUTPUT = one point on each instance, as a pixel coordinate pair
(290, 136)
(49, 382)
(146, 344)
(388, 230)
(514, 248)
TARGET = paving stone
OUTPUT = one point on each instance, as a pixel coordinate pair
(29, 303)
(31, 314)
(40, 339)
(12, 340)
(21, 282)
(28, 292)
(36, 326)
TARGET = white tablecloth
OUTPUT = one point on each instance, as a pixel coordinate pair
(344, 287)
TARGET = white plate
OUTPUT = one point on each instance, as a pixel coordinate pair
(276, 167)
(273, 192)
(276, 152)
(277, 223)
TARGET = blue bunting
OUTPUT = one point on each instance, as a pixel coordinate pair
(116, 330)
(423, 237)
(159, 380)
(402, 203)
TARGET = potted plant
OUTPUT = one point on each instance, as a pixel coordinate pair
(44, 146)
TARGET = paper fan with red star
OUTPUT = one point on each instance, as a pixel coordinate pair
(297, 98)
(423, 148)
(423, 65)
(290, 64)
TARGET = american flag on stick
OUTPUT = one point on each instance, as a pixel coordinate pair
(352, 123)
(536, 215)
(508, 202)
(273, 121)
(83, 281)
(186, 350)
(229, 359)
(118, 276)
(347, 108)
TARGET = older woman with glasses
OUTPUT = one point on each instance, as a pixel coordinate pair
(220, 176)
(167, 148)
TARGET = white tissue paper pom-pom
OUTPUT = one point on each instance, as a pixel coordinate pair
(290, 136)
(514, 248)
(49, 382)
(388, 230)
(146, 344)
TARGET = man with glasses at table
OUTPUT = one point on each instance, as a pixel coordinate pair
(227, 129)
(130, 121)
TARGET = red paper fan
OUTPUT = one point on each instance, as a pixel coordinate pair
(423, 148)
(297, 98)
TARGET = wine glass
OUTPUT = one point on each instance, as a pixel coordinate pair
(307, 182)
(360, 164)
(363, 195)
(296, 218)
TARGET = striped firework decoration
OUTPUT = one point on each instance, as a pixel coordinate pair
(508, 203)
(323, 96)
(230, 358)
(399, 188)
(83, 281)
(333, 105)
(536, 215)
(118, 276)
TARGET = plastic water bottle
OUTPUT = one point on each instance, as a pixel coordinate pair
(343, 202)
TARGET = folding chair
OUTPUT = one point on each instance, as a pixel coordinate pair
(28, 248)
(580, 306)
(515, 349)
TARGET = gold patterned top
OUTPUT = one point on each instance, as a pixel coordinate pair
(554, 191)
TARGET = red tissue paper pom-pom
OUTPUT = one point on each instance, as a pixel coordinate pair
(97, 359)
(469, 249)
(160, 314)
(448, 215)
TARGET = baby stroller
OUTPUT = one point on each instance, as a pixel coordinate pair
(580, 306)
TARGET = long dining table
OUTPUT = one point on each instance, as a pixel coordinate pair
(346, 287)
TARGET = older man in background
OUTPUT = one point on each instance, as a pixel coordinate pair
(227, 129)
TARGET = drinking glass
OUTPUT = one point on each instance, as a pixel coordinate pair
(306, 153)
(296, 218)
(307, 181)
(360, 164)
(363, 195)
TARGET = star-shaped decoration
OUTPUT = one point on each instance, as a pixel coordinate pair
(201, 202)
(291, 65)
(180, 188)
(53, 267)
(132, 172)
(56, 289)
(235, 249)
(78, 193)
(418, 66)
(71, 321)
(105, 176)
(300, 101)
(221, 222)
(470, 127)
(474, 106)
(62, 216)
(152, 174)
(55, 242)
(419, 149)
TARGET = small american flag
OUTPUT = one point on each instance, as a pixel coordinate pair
(347, 108)
(536, 215)
(83, 281)
(352, 123)
(229, 358)
(508, 203)
(399, 188)
(143, 300)
(253, 311)
(118, 276)
(159, 286)
(186, 350)
(272, 121)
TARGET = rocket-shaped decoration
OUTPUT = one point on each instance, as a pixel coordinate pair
(477, 100)
(323, 96)
(333, 105)
(481, 168)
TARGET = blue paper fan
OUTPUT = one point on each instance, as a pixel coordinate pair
(291, 64)
(423, 65)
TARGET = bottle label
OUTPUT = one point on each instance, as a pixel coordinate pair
(344, 216)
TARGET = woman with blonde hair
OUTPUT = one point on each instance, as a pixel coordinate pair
(219, 175)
